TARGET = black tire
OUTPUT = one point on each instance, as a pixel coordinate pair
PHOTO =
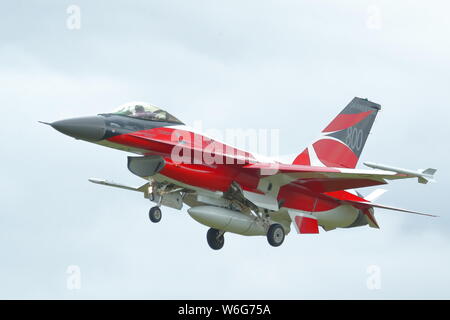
(275, 235)
(214, 240)
(155, 214)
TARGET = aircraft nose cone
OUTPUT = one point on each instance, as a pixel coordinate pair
(84, 128)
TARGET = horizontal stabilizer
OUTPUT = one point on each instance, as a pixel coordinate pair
(363, 204)
(381, 206)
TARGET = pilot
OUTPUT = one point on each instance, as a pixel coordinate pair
(140, 112)
(139, 109)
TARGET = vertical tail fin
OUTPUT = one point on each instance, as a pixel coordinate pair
(343, 140)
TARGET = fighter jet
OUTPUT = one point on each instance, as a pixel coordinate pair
(231, 190)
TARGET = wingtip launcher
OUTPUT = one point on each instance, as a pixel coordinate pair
(423, 176)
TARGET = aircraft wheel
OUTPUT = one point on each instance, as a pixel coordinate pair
(155, 214)
(275, 235)
(214, 240)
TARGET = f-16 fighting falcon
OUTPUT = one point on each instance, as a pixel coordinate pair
(231, 190)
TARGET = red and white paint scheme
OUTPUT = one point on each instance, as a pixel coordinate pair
(231, 190)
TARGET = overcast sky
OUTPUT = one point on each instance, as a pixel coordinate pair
(287, 65)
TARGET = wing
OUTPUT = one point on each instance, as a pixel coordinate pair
(325, 179)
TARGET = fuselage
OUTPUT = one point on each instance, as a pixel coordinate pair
(201, 162)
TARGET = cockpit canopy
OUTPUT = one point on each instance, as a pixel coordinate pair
(146, 111)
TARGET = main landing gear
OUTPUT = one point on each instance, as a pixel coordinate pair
(275, 235)
(215, 238)
(155, 214)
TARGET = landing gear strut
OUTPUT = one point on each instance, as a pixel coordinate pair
(155, 214)
(275, 235)
(215, 239)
